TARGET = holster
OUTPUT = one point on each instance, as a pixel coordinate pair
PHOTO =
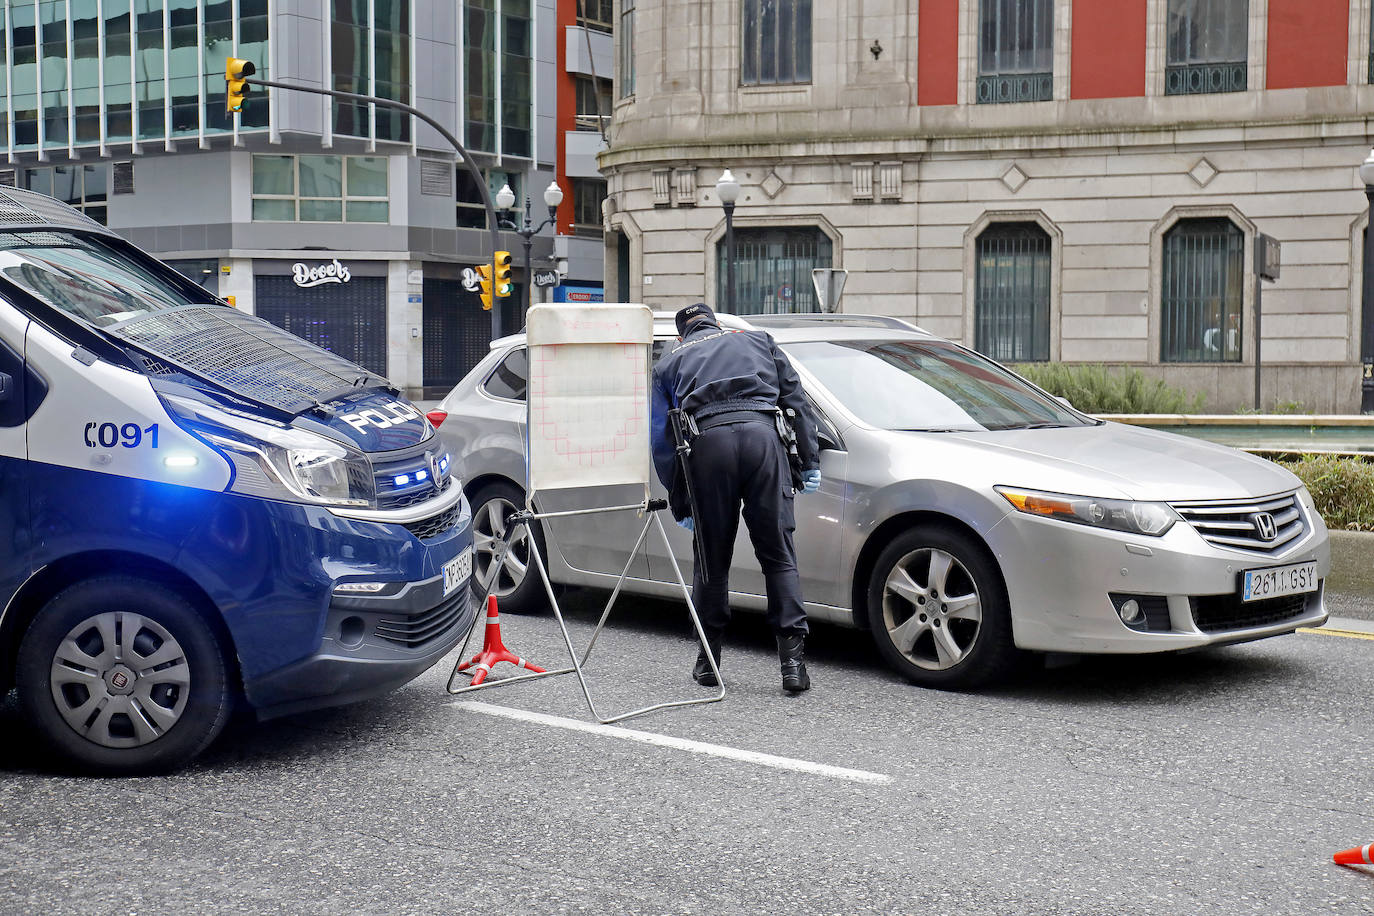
(788, 435)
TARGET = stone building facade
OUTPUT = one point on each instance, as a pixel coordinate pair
(1091, 194)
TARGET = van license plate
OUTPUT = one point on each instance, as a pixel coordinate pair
(457, 570)
(1277, 581)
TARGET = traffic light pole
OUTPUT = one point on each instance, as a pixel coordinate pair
(478, 178)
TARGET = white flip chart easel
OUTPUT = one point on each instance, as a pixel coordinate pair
(587, 425)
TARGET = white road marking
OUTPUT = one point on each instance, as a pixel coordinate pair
(681, 744)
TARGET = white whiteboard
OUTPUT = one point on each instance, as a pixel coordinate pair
(588, 422)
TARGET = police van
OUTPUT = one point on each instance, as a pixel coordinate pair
(198, 507)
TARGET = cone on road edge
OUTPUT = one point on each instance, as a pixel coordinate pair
(493, 649)
(1360, 855)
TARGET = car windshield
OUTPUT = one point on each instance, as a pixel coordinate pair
(927, 385)
(85, 277)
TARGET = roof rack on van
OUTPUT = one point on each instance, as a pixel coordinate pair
(20, 210)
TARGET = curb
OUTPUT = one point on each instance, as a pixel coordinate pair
(1352, 563)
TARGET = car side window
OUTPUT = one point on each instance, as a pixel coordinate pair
(510, 378)
(829, 436)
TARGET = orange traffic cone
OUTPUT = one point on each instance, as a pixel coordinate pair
(1360, 855)
(493, 650)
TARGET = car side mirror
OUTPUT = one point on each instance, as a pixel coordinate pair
(1064, 401)
(825, 443)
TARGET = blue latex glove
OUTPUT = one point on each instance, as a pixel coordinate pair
(687, 523)
(811, 480)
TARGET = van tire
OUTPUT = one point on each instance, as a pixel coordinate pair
(492, 505)
(113, 703)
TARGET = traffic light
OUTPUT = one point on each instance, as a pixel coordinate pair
(235, 70)
(485, 271)
(502, 277)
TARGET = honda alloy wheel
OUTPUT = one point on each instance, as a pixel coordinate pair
(938, 610)
(122, 675)
(514, 580)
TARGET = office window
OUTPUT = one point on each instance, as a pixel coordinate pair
(625, 34)
(588, 195)
(479, 56)
(330, 189)
(119, 95)
(1011, 306)
(85, 187)
(1202, 286)
(593, 103)
(1207, 46)
(52, 34)
(1015, 51)
(24, 90)
(391, 47)
(775, 42)
(773, 269)
(516, 95)
(472, 210)
(596, 14)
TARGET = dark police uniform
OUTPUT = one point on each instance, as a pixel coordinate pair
(731, 382)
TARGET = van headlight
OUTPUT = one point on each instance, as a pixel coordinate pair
(277, 461)
(1148, 518)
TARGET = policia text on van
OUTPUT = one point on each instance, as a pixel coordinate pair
(196, 505)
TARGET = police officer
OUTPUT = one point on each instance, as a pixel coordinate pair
(732, 383)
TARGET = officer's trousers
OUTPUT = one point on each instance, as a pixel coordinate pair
(734, 465)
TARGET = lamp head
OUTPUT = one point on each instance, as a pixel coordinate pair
(505, 198)
(727, 188)
(1367, 169)
(553, 195)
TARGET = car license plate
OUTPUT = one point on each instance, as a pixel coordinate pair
(457, 570)
(1277, 581)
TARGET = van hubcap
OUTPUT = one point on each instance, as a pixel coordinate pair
(120, 679)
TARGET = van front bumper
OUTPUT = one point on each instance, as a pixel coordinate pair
(371, 645)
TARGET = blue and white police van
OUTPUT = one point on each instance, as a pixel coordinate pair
(198, 507)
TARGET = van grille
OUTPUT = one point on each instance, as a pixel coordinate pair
(1265, 525)
(414, 630)
(436, 525)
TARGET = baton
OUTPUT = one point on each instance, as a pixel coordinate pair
(681, 422)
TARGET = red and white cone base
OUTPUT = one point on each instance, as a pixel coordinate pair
(493, 650)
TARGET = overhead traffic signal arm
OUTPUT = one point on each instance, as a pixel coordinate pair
(485, 282)
(503, 284)
(236, 71)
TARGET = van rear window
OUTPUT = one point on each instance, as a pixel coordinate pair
(86, 277)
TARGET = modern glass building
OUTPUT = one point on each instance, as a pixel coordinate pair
(118, 107)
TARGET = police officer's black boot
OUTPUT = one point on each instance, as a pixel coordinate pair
(701, 671)
(791, 647)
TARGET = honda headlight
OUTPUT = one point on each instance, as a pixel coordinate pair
(276, 461)
(1148, 518)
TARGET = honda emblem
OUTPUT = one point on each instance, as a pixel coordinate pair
(1265, 526)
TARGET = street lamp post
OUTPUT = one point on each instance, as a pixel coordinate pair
(1367, 297)
(505, 199)
(727, 189)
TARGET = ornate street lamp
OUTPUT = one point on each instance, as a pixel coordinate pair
(727, 189)
(505, 199)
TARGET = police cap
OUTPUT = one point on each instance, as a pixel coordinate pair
(692, 314)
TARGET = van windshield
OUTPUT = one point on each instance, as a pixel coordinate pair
(85, 277)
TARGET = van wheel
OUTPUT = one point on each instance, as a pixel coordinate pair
(938, 610)
(123, 676)
(515, 583)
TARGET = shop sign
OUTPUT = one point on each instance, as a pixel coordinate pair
(546, 278)
(333, 272)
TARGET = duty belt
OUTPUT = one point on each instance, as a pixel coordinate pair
(735, 416)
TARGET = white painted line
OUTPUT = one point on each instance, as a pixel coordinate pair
(681, 744)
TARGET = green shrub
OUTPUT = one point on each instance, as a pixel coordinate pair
(1342, 488)
(1094, 388)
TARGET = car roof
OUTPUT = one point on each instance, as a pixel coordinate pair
(790, 328)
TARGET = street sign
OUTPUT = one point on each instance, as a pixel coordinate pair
(829, 283)
(544, 278)
(1266, 257)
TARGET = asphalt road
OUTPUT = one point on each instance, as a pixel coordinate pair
(1214, 782)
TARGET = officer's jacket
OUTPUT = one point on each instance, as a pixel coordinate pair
(713, 370)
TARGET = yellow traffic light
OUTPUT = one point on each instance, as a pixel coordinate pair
(502, 277)
(485, 271)
(235, 70)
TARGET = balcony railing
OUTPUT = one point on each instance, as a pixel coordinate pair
(1197, 79)
(1015, 87)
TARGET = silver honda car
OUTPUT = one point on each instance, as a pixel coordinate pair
(964, 514)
